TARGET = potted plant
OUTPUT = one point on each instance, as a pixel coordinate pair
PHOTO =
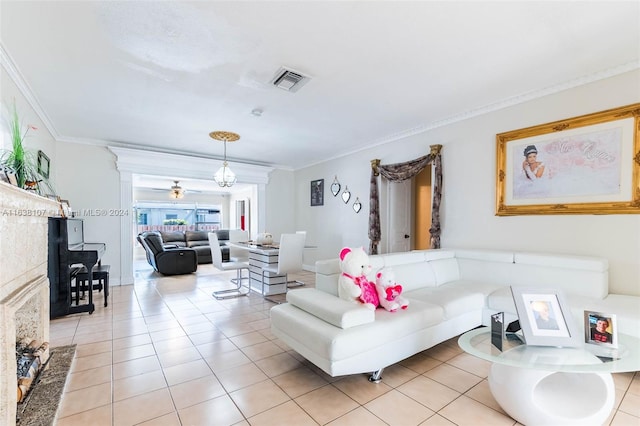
(21, 162)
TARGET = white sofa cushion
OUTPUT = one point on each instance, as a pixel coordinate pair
(572, 281)
(580, 275)
(485, 255)
(455, 299)
(338, 312)
(485, 265)
(445, 270)
(412, 276)
(334, 344)
(327, 273)
(501, 300)
(434, 254)
(563, 261)
(402, 258)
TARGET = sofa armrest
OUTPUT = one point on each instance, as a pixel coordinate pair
(331, 309)
(177, 261)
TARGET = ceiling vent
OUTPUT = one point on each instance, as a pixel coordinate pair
(289, 80)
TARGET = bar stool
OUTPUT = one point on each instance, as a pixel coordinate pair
(100, 274)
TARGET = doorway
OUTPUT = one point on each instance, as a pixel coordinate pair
(422, 201)
(409, 213)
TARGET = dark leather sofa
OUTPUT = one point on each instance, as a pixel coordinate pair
(178, 252)
(199, 241)
(167, 260)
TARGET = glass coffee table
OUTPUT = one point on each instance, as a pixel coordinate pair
(544, 385)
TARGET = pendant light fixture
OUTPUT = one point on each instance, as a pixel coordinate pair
(224, 176)
(176, 191)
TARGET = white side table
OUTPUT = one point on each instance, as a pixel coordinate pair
(540, 385)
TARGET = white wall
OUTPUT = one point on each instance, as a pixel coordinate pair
(87, 177)
(468, 207)
(280, 204)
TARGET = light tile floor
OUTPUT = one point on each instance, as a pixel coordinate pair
(167, 353)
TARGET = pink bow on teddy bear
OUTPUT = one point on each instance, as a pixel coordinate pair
(393, 292)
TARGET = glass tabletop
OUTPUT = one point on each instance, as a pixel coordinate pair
(250, 245)
(584, 359)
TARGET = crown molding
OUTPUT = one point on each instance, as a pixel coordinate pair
(14, 73)
(505, 103)
(160, 163)
(511, 101)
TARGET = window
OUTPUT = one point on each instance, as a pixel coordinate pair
(152, 216)
(143, 218)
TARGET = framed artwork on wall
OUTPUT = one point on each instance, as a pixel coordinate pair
(582, 165)
(43, 164)
(317, 192)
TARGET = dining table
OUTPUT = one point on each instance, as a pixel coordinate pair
(261, 255)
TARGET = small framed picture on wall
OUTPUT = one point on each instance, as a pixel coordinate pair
(43, 164)
(317, 192)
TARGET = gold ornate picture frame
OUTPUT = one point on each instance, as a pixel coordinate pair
(583, 165)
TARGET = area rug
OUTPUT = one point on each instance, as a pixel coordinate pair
(41, 404)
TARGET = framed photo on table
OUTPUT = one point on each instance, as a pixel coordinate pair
(545, 318)
(600, 329)
(582, 165)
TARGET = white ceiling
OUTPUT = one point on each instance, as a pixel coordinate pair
(162, 75)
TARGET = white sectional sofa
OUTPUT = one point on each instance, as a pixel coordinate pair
(450, 290)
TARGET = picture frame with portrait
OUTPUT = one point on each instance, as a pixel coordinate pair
(579, 165)
(601, 329)
(545, 318)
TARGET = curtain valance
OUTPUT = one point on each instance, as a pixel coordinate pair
(397, 173)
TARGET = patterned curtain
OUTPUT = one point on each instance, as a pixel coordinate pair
(398, 173)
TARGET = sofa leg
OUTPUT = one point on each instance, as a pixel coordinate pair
(376, 376)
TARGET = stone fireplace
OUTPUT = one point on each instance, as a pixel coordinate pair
(24, 286)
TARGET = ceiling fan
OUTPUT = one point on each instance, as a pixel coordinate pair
(175, 191)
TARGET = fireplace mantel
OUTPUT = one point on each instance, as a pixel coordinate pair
(24, 286)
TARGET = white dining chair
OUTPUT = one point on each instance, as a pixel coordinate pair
(238, 254)
(216, 255)
(297, 283)
(289, 259)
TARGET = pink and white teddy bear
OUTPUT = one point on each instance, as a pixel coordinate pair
(389, 291)
(354, 284)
